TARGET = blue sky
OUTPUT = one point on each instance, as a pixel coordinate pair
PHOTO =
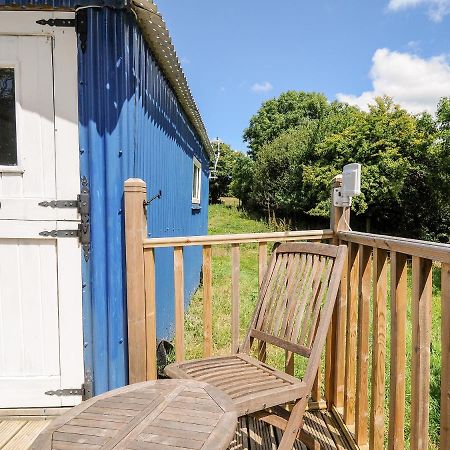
(238, 53)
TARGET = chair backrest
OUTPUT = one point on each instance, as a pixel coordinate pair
(296, 300)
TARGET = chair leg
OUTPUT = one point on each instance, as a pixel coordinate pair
(294, 424)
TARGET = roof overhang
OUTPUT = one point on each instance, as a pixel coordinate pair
(158, 38)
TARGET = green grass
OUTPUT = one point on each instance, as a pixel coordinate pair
(225, 219)
(228, 219)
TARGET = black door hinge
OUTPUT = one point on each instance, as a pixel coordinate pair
(83, 232)
(81, 28)
(57, 22)
(85, 391)
(79, 23)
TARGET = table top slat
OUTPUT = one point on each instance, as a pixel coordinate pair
(156, 415)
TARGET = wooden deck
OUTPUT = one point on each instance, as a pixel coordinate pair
(251, 434)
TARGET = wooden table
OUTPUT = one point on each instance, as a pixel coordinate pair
(155, 415)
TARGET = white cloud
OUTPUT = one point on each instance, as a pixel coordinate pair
(262, 87)
(437, 9)
(416, 84)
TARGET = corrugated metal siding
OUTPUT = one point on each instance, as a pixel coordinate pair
(60, 4)
(131, 125)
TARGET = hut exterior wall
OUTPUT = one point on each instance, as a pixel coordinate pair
(131, 125)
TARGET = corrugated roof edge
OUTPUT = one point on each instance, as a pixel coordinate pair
(158, 38)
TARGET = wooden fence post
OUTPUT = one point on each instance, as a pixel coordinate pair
(178, 267)
(399, 302)
(207, 301)
(135, 231)
(445, 339)
(335, 349)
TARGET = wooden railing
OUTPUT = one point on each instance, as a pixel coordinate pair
(370, 318)
(371, 258)
(207, 242)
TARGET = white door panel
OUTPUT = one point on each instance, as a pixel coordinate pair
(41, 346)
(29, 209)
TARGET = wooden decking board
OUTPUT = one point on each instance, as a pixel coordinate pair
(251, 434)
(8, 429)
(25, 435)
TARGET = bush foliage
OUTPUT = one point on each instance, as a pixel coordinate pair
(300, 141)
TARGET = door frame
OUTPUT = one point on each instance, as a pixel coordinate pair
(66, 138)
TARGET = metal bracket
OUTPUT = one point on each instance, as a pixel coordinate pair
(57, 22)
(82, 204)
(85, 227)
(88, 385)
(339, 200)
(59, 204)
(59, 233)
(158, 195)
(66, 392)
(86, 390)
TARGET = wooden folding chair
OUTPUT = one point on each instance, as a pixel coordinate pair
(293, 312)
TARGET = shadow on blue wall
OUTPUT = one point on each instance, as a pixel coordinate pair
(131, 125)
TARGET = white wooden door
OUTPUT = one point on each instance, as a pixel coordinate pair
(41, 346)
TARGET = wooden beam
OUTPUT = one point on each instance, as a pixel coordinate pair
(376, 434)
(207, 301)
(135, 231)
(421, 340)
(235, 269)
(220, 239)
(150, 313)
(335, 346)
(362, 361)
(427, 250)
(262, 261)
(352, 329)
(398, 351)
(179, 302)
(445, 351)
(339, 327)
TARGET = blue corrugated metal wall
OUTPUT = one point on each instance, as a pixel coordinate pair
(131, 125)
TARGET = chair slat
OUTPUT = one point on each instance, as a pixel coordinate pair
(266, 293)
(301, 287)
(299, 315)
(275, 293)
(308, 247)
(291, 281)
(282, 343)
(312, 300)
(319, 303)
(292, 300)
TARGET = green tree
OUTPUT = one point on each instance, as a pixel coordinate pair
(405, 179)
(242, 181)
(400, 161)
(275, 116)
(221, 178)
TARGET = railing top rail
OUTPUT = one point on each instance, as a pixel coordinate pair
(424, 249)
(218, 239)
